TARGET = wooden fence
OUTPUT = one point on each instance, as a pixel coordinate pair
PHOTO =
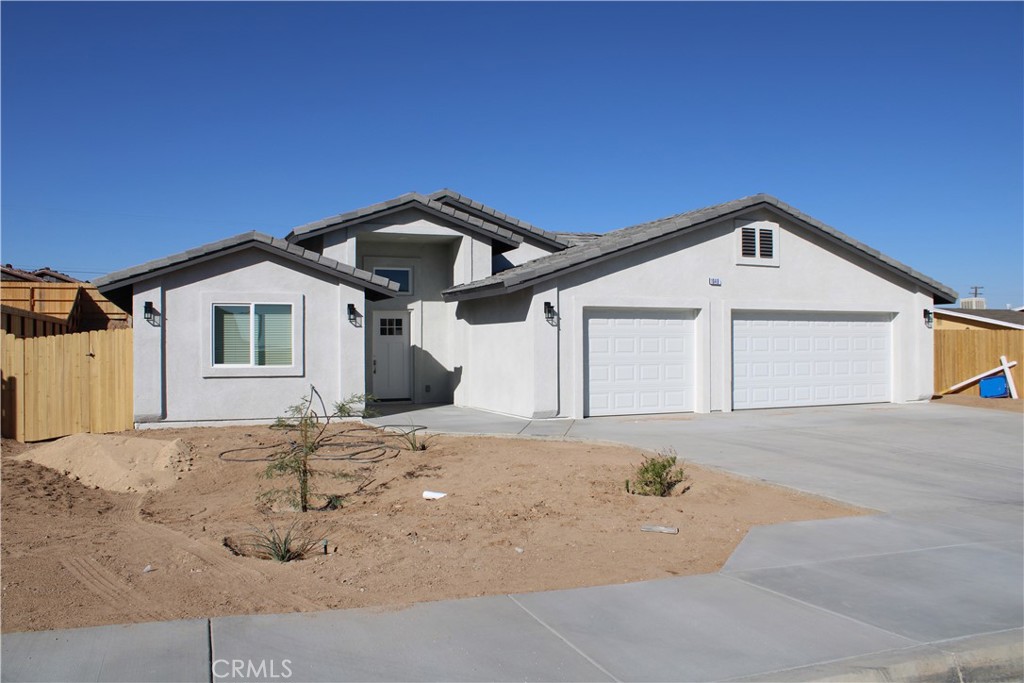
(22, 323)
(78, 303)
(962, 354)
(65, 384)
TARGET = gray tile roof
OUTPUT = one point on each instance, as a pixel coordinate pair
(575, 239)
(410, 199)
(370, 282)
(626, 239)
(996, 315)
(453, 198)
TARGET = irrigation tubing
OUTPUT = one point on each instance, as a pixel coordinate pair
(369, 448)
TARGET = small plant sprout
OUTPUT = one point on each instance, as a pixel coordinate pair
(409, 436)
(657, 475)
(287, 547)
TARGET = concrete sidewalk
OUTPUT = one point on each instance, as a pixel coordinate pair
(930, 589)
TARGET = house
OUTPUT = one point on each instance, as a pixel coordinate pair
(440, 299)
(978, 319)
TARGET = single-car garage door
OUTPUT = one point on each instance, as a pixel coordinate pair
(639, 361)
(810, 359)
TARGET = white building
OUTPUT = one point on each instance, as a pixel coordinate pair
(439, 299)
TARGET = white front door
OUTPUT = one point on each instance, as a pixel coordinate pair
(390, 361)
(810, 359)
(639, 361)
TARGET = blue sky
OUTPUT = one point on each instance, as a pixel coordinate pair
(131, 131)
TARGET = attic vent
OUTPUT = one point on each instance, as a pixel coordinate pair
(757, 243)
(749, 246)
(766, 243)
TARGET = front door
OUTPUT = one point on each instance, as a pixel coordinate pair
(390, 362)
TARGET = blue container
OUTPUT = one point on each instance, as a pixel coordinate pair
(994, 387)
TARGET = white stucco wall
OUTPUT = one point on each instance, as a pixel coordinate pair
(812, 275)
(430, 317)
(497, 346)
(174, 379)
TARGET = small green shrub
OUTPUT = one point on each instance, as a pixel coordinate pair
(356, 405)
(273, 545)
(657, 475)
(409, 436)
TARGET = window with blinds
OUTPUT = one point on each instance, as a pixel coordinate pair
(252, 334)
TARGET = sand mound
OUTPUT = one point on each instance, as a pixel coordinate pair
(115, 463)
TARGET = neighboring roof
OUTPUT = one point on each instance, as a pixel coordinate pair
(10, 273)
(368, 281)
(50, 275)
(1004, 318)
(622, 241)
(406, 201)
(484, 212)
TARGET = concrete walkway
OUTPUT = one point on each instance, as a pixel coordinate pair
(932, 588)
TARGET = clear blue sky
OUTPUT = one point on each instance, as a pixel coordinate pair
(132, 131)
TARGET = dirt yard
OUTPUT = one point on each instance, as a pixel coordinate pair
(520, 515)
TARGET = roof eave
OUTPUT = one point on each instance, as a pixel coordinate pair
(375, 284)
(500, 234)
(515, 282)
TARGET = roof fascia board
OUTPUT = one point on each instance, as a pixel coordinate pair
(513, 240)
(855, 249)
(513, 283)
(263, 246)
(658, 239)
(976, 318)
(536, 234)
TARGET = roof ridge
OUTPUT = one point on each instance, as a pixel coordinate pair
(407, 198)
(637, 235)
(464, 200)
(314, 259)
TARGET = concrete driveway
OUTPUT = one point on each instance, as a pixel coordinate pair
(929, 589)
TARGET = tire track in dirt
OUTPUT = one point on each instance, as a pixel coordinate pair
(128, 508)
(105, 584)
(129, 512)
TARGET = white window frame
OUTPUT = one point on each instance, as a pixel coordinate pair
(405, 268)
(759, 259)
(212, 299)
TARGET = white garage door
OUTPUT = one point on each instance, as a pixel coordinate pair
(639, 361)
(810, 359)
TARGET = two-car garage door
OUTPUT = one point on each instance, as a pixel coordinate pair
(810, 359)
(643, 361)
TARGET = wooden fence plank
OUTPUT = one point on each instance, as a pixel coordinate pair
(960, 354)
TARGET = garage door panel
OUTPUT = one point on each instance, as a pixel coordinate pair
(639, 362)
(810, 359)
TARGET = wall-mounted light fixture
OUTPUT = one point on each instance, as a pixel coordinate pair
(150, 314)
(929, 318)
(353, 315)
(549, 312)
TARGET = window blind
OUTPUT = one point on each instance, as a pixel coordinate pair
(273, 334)
(231, 335)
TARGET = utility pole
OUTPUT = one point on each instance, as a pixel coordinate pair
(976, 291)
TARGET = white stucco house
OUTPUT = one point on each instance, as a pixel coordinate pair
(439, 299)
